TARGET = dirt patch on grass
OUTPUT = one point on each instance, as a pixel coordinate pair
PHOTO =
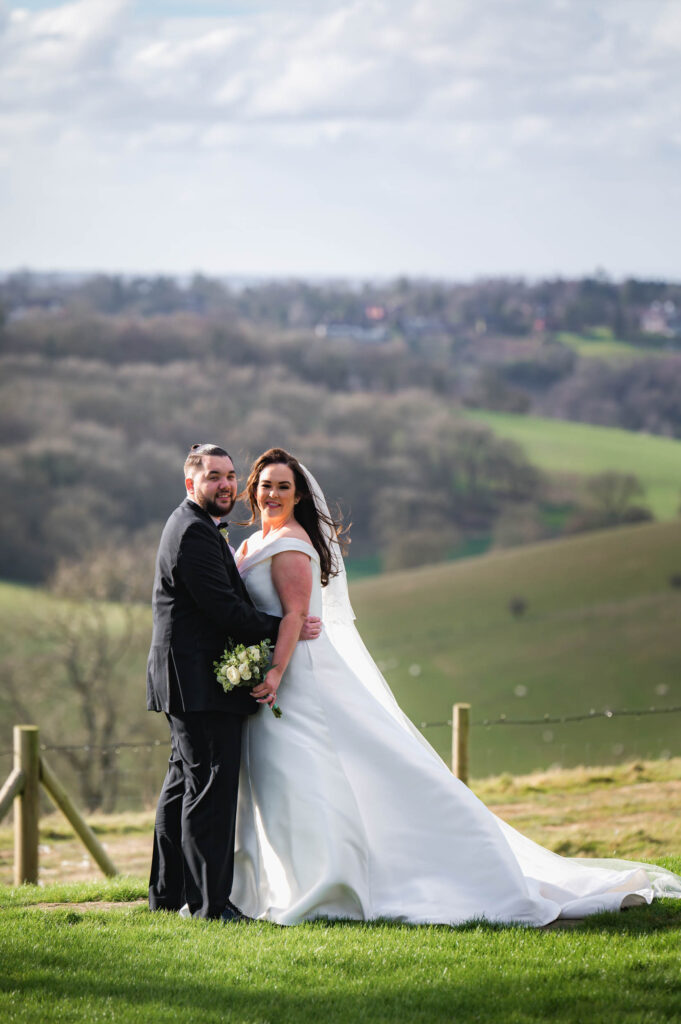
(63, 858)
(94, 905)
(632, 821)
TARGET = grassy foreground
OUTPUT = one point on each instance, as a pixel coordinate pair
(87, 951)
(129, 965)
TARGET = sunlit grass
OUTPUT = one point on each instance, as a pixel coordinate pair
(129, 965)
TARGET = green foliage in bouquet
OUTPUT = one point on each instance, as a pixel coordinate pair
(245, 666)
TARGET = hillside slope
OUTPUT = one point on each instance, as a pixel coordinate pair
(601, 630)
(584, 449)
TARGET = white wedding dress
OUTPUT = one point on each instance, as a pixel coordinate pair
(345, 811)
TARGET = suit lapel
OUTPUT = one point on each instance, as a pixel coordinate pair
(234, 576)
(227, 557)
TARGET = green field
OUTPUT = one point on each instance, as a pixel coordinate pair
(581, 449)
(601, 631)
(601, 344)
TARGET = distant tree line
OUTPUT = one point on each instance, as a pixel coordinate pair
(105, 382)
(93, 455)
(413, 308)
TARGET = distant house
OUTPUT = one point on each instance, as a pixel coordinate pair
(662, 318)
(352, 332)
(423, 327)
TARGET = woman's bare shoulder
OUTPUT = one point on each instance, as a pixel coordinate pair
(296, 531)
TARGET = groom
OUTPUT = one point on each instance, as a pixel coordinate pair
(199, 602)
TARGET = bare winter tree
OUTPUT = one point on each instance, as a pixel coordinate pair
(73, 683)
(613, 495)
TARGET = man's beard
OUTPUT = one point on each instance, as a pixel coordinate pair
(212, 507)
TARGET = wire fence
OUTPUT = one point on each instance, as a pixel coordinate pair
(128, 779)
(549, 719)
(134, 771)
(487, 723)
(515, 745)
(86, 747)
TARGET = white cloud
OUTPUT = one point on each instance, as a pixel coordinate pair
(92, 62)
(426, 102)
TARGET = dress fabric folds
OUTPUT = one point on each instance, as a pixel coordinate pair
(345, 811)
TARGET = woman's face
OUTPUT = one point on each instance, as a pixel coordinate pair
(276, 495)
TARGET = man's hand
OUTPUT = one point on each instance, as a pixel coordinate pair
(312, 628)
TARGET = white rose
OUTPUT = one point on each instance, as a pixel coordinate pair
(253, 653)
(233, 674)
(243, 657)
(244, 670)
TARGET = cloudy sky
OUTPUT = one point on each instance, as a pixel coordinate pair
(449, 138)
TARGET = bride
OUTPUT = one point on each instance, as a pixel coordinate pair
(345, 811)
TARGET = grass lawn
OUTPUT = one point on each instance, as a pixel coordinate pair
(89, 951)
(74, 964)
(585, 450)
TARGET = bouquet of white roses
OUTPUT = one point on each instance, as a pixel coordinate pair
(245, 666)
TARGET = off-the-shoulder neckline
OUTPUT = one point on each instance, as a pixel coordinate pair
(264, 544)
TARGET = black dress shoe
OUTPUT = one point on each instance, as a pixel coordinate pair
(232, 913)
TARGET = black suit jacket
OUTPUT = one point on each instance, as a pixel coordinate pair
(199, 602)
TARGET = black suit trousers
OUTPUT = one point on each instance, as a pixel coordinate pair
(193, 856)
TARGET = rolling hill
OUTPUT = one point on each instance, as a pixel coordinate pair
(584, 450)
(600, 631)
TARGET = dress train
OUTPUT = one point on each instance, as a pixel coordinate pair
(345, 811)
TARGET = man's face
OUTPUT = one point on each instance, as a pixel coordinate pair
(213, 487)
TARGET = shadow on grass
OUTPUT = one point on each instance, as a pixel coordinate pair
(661, 915)
(148, 967)
(470, 991)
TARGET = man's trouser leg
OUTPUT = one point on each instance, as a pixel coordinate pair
(167, 879)
(208, 745)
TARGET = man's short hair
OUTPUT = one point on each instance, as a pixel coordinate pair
(194, 459)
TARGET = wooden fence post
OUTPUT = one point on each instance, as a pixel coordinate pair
(26, 804)
(460, 736)
(13, 786)
(23, 787)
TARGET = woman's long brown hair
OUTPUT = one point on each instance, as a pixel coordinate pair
(305, 511)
